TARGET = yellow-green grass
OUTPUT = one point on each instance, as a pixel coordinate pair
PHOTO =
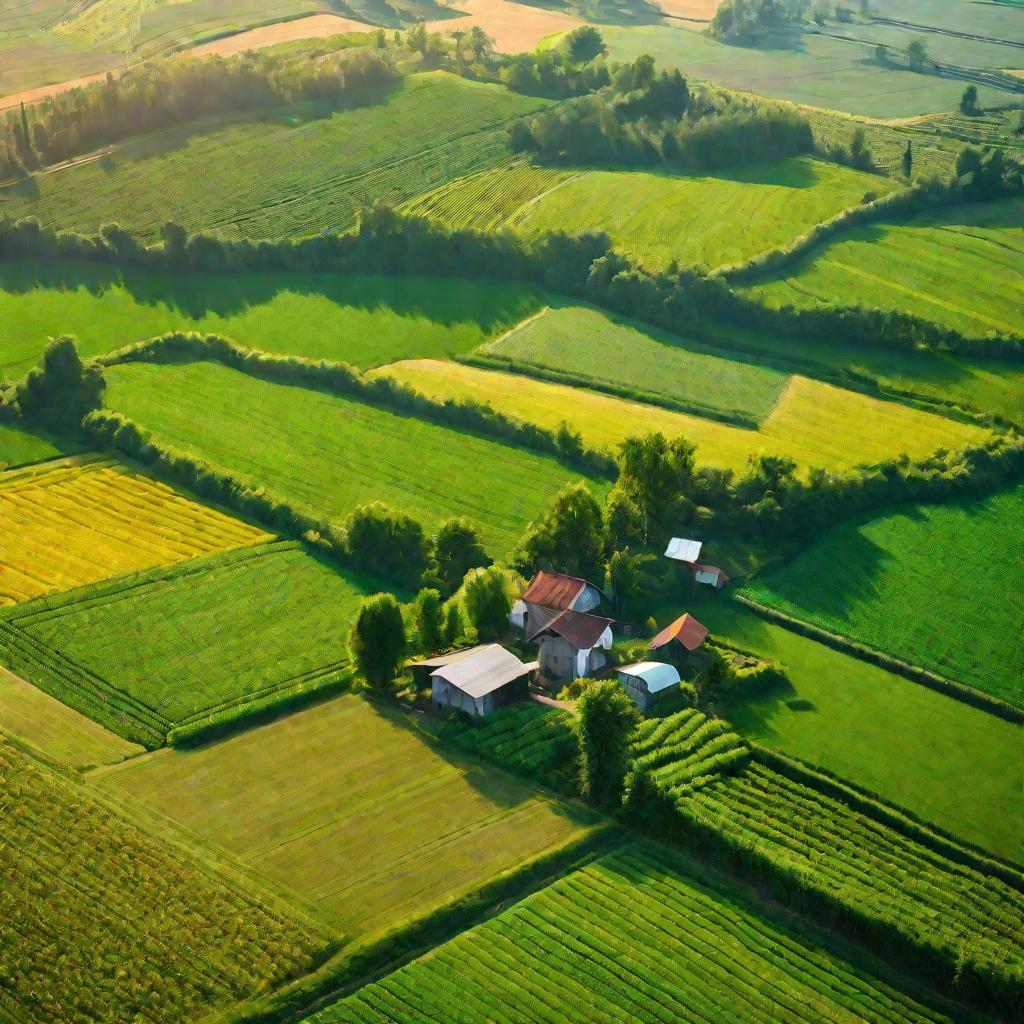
(174, 645)
(583, 950)
(360, 319)
(958, 766)
(959, 267)
(100, 922)
(348, 806)
(18, 446)
(330, 454)
(56, 731)
(86, 518)
(940, 586)
(295, 171)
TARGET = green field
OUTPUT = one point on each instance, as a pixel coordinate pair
(958, 267)
(631, 937)
(655, 218)
(941, 586)
(360, 319)
(333, 454)
(99, 922)
(18, 447)
(170, 646)
(348, 806)
(858, 721)
(293, 172)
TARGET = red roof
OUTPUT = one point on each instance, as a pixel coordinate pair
(553, 590)
(580, 629)
(698, 567)
(686, 629)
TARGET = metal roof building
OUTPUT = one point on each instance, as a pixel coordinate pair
(481, 680)
(682, 550)
(686, 629)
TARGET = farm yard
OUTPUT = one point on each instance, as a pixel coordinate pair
(360, 841)
(83, 519)
(333, 454)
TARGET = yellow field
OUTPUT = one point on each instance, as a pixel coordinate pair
(814, 423)
(88, 518)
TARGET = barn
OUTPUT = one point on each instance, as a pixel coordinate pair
(572, 645)
(646, 679)
(481, 681)
(548, 594)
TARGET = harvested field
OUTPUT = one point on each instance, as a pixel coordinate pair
(88, 518)
(514, 27)
(361, 837)
(317, 26)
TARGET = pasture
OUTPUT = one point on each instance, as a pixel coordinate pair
(98, 921)
(18, 447)
(332, 454)
(294, 171)
(941, 586)
(360, 319)
(858, 720)
(959, 267)
(347, 805)
(172, 646)
(87, 518)
(655, 218)
(581, 950)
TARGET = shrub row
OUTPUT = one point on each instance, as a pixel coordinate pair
(915, 674)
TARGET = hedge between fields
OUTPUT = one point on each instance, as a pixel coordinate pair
(958, 691)
(341, 378)
(371, 958)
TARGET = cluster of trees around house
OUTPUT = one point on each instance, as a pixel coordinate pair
(643, 117)
(162, 93)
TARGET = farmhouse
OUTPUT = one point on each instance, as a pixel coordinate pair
(550, 593)
(646, 679)
(572, 645)
(482, 680)
(710, 575)
(686, 631)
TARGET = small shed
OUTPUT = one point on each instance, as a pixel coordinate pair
(484, 679)
(646, 679)
(682, 550)
(686, 631)
(572, 645)
(548, 594)
(710, 575)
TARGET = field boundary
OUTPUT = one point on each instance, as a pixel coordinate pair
(931, 680)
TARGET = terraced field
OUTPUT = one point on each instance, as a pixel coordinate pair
(656, 218)
(940, 586)
(580, 951)
(332, 454)
(360, 838)
(79, 520)
(172, 646)
(958, 267)
(100, 922)
(360, 319)
(291, 172)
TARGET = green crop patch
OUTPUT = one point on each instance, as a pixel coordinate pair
(331, 454)
(100, 922)
(630, 937)
(360, 319)
(18, 447)
(169, 647)
(262, 176)
(941, 586)
(958, 267)
(347, 805)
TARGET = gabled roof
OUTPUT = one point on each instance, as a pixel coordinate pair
(683, 550)
(482, 671)
(713, 569)
(686, 629)
(656, 674)
(581, 630)
(446, 659)
(554, 590)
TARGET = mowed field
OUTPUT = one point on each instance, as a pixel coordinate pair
(18, 447)
(170, 646)
(941, 586)
(858, 720)
(960, 267)
(381, 829)
(99, 922)
(293, 171)
(360, 319)
(74, 521)
(630, 937)
(655, 218)
(333, 454)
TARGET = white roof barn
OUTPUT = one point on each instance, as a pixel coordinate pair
(482, 680)
(682, 550)
(644, 680)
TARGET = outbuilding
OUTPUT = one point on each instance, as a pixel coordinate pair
(646, 679)
(548, 594)
(481, 681)
(682, 550)
(686, 631)
(710, 575)
(572, 645)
